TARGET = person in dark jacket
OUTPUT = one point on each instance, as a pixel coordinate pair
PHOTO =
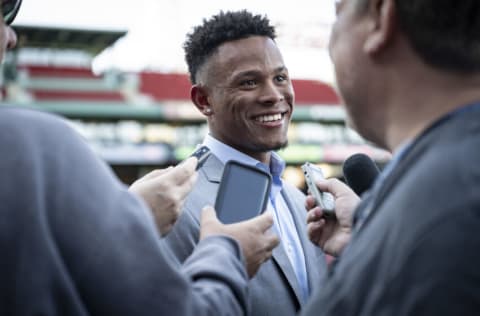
(409, 74)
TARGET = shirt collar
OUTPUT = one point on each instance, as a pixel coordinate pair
(225, 153)
(277, 165)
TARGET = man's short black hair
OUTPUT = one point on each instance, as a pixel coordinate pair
(221, 28)
(445, 33)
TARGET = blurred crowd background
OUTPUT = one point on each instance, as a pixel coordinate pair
(115, 69)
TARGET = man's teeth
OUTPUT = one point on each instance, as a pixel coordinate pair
(269, 118)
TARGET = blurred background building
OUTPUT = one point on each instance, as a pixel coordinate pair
(115, 69)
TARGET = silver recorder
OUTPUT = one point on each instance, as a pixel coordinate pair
(323, 199)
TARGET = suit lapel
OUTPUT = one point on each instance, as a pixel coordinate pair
(212, 169)
(281, 258)
(311, 253)
(206, 188)
(315, 260)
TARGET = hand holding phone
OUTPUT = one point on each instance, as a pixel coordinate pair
(323, 199)
(243, 192)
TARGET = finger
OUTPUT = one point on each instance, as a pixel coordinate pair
(272, 241)
(314, 215)
(208, 215)
(182, 172)
(262, 222)
(309, 202)
(324, 184)
(267, 256)
(334, 186)
(190, 162)
(183, 189)
(193, 179)
(314, 231)
(150, 175)
(157, 172)
(154, 173)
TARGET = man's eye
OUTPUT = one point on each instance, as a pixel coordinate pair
(248, 83)
(281, 78)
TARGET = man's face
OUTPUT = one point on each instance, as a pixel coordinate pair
(353, 68)
(3, 37)
(8, 38)
(250, 95)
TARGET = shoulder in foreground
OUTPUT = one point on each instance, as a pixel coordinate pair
(25, 117)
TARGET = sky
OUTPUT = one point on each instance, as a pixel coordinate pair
(157, 29)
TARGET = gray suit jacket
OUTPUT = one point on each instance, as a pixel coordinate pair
(417, 253)
(274, 290)
(74, 241)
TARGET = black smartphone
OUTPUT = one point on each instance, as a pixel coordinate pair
(202, 154)
(323, 199)
(243, 192)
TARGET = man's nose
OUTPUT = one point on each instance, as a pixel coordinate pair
(11, 37)
(272, 93)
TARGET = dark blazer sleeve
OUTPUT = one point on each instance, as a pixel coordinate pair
(440, 276)
(74, 241)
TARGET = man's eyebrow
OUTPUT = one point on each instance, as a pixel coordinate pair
(247, 73)
(254, 72)
(281, 69)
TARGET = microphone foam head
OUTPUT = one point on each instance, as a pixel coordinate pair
(360, 171)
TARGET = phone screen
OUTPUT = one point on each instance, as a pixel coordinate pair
(243, 192)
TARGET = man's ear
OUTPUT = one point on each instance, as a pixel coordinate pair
(383, 22)
(199, 97)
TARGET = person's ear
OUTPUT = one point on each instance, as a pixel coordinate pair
(382, 24)
(199, 96)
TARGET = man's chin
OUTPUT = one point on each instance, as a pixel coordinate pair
(280, 146)
(271, 147)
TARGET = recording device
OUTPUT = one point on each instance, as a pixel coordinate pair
(360, 172)
(323, 199)
(243, 192)
(202, 154)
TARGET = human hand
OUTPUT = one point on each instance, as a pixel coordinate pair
(332, 233)
(165, 190)
(256, 243)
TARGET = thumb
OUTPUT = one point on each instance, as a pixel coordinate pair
(263, 222)
(191, 162)
(155, 173)
(324, 184)
(208, 215)
(183, 171)
(335, 187)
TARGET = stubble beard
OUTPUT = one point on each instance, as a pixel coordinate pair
(264, 148)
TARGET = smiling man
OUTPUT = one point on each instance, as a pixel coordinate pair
(247, 96)
(242, 86)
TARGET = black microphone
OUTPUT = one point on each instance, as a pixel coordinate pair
(360, 171)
